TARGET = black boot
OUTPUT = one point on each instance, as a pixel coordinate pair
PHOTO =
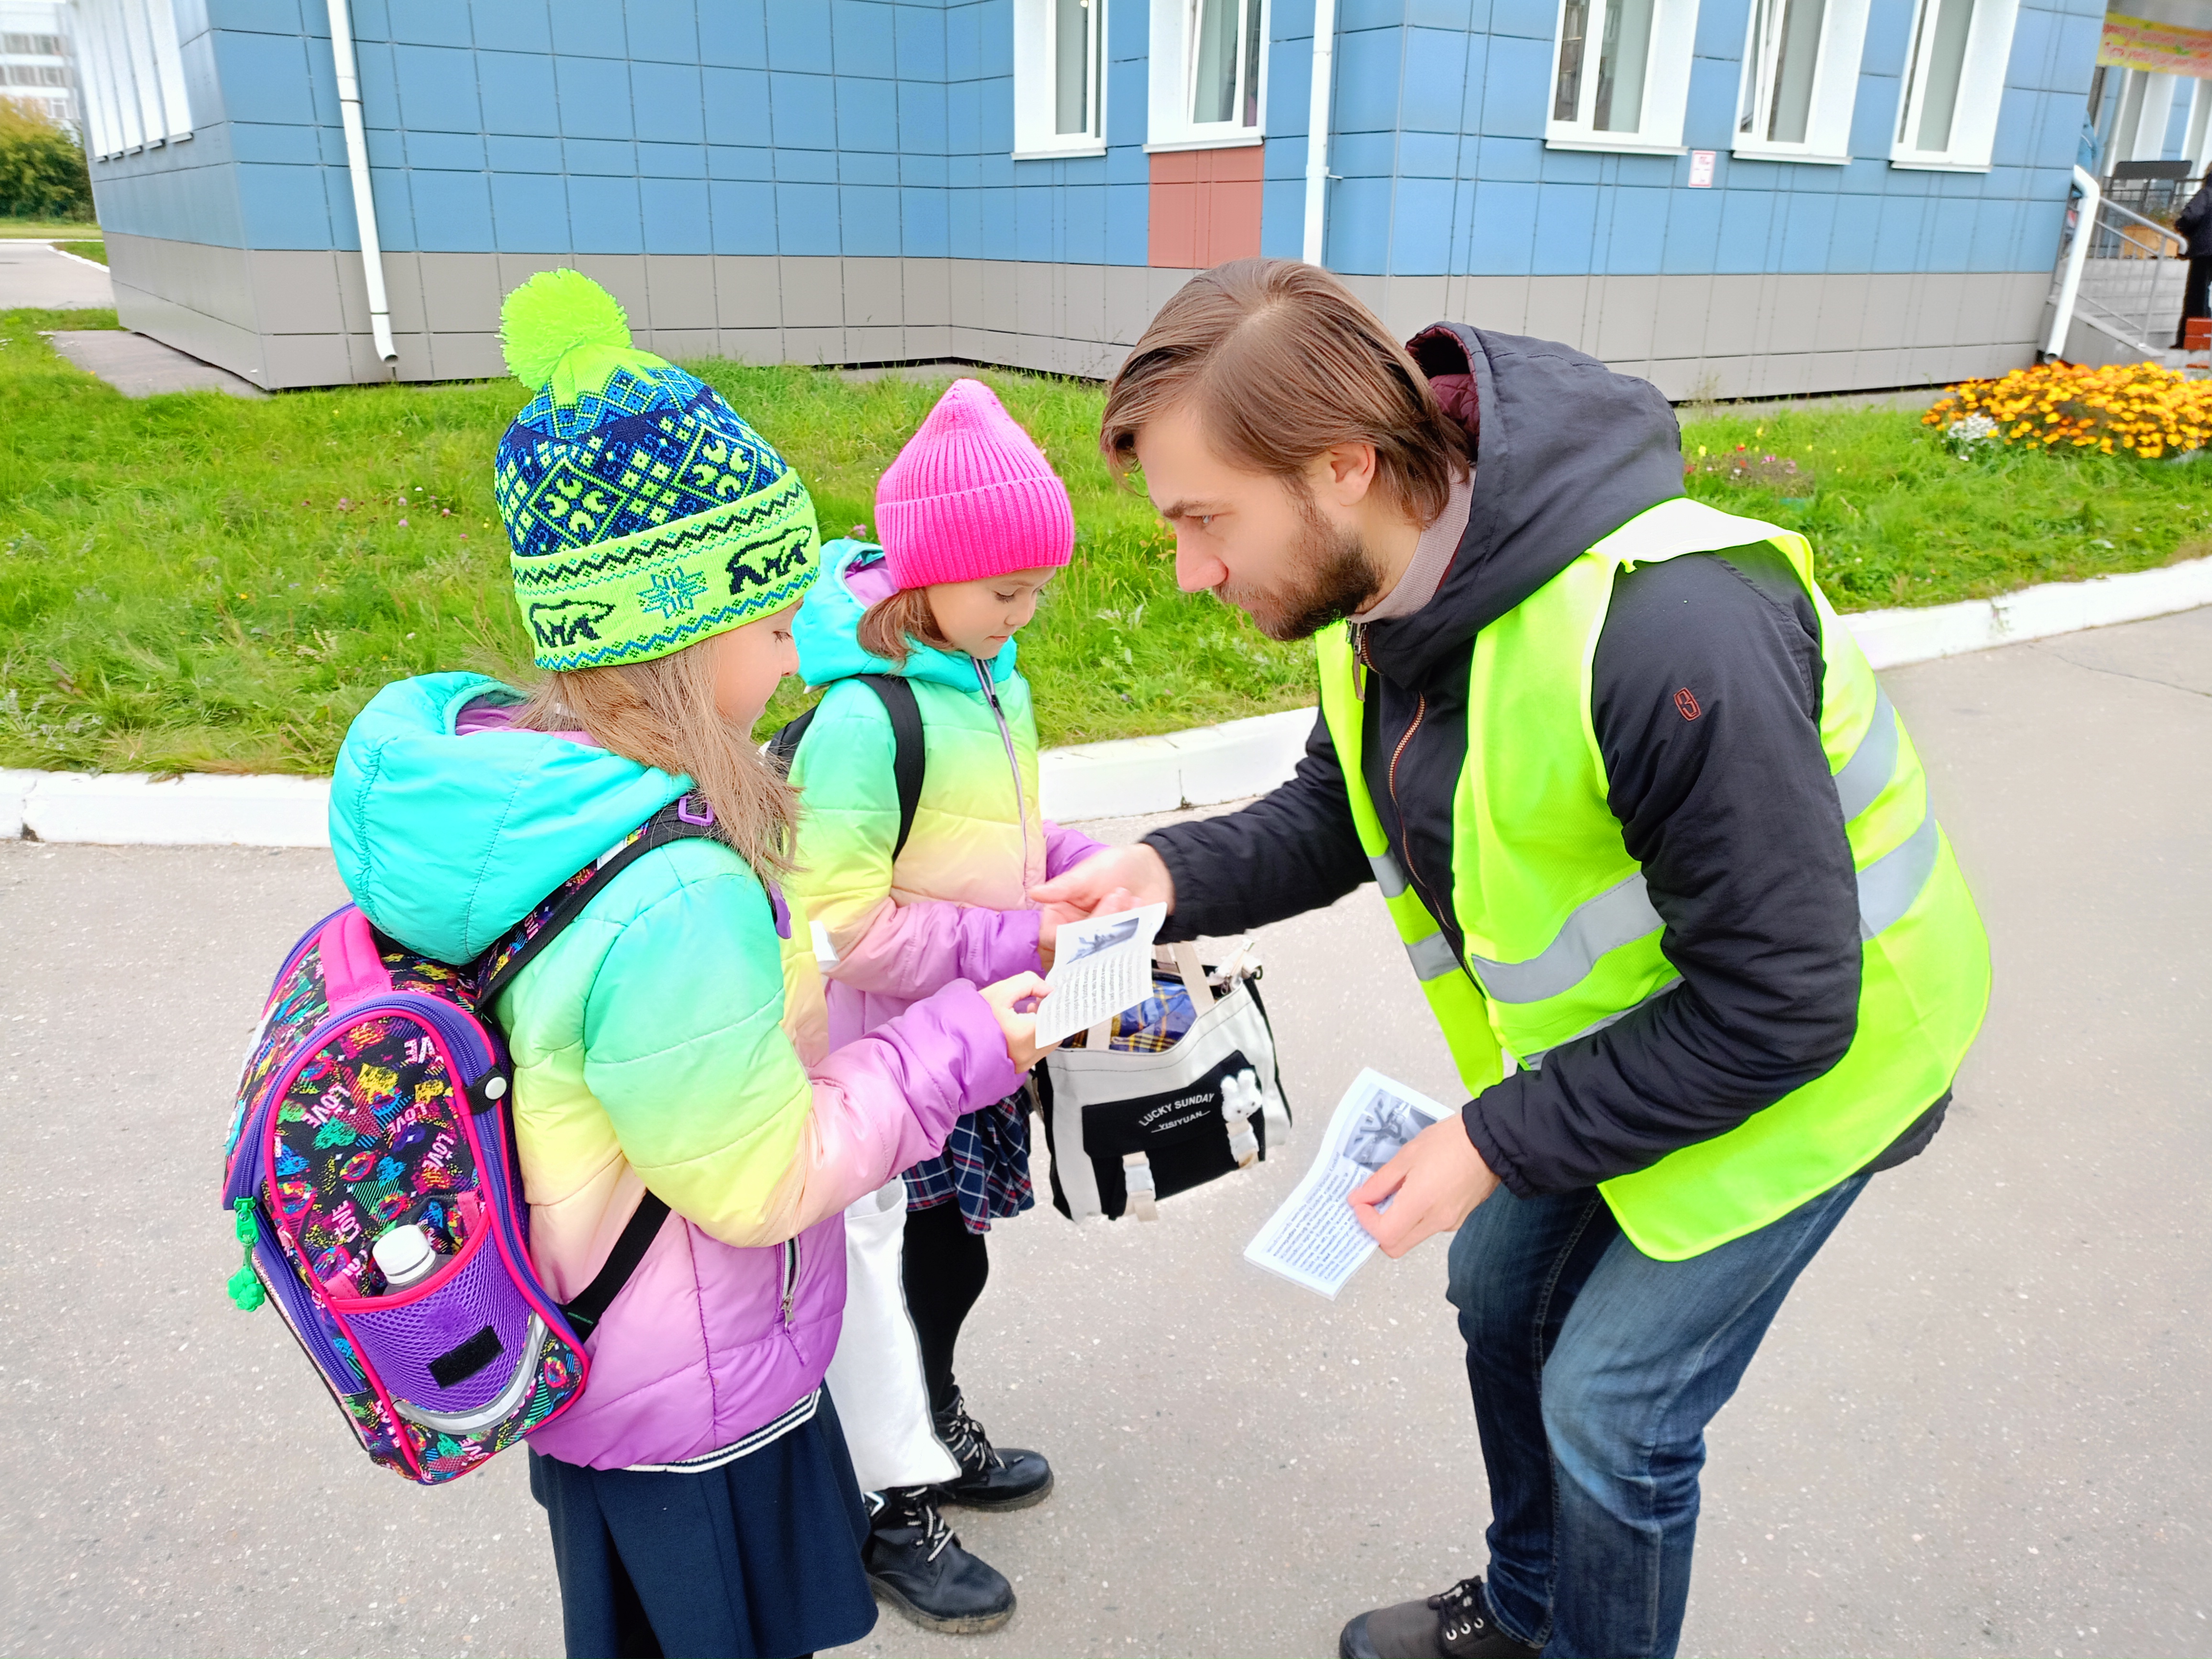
(1455, 1624)
(915, 1563)
(991, 1477)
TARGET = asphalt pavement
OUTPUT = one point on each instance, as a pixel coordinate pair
(35, 274)
(1979, 1426)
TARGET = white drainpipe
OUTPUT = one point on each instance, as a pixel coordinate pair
(1324, 64)
(2085, 227)
(364, 202)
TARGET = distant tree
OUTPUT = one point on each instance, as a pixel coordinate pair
(42, 170)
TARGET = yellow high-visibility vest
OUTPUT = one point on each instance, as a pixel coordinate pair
(1561, 938)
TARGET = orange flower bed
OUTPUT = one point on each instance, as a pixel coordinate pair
(2135, 409)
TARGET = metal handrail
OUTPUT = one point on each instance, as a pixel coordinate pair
(2077, 250)
(2134, 285)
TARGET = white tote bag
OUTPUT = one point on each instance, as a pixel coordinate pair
(1128, 1129)
(875, 1377)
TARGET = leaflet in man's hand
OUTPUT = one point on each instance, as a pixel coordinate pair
(1100, 966)
(1314, 1239)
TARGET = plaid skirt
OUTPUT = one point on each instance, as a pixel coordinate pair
(984, 1168)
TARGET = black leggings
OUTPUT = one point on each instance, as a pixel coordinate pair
(945, 1269)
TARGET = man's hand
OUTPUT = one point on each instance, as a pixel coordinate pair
(1117, 878)
(1436, 1179)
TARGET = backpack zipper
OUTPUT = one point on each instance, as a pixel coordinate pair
(1013, 761)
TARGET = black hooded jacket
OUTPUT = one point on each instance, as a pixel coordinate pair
(1730, 808)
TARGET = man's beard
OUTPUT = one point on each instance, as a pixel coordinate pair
(1330, 575)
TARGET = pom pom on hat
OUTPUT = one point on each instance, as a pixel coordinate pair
(971, 496)
(551, 315)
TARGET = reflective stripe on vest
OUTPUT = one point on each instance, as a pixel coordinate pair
(1622, 914)
(1531, 827)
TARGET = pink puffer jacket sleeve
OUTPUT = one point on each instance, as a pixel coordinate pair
(1065, 849)
(910, 949)
(942, 1057)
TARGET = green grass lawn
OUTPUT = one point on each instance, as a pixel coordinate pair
(198, 582)
(95, 251)
(45, 229)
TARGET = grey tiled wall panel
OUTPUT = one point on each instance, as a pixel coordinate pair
(301, 318)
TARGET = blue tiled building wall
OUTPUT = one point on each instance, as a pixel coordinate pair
(1438, 124)
(857, 127)
(878, 127)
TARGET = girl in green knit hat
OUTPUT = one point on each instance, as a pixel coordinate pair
(671, 1040)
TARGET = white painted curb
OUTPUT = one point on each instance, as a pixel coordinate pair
(1198, 768)
(198, 810)
(1894, 638)
(1201, 767)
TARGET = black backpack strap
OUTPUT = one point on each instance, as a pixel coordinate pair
(588, 1307)
(686, 818)
(907, 752)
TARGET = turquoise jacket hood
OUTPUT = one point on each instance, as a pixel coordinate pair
(827, 631)
(445, 841)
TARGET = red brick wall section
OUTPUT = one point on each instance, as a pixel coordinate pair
(1205, 206)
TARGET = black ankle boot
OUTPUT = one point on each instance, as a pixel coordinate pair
(991, 1477)
(915, 1563)
(1455, 1624)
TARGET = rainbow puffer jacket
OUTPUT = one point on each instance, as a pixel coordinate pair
(654, 1047)
(955, 902)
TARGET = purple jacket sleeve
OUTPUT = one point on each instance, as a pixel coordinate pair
(887, 1101)
(1065, 849)
(909, 950)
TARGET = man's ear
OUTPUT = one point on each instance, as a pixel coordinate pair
(1343, 474)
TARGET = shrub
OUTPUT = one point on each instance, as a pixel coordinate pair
(2134, 408)
(42, 170)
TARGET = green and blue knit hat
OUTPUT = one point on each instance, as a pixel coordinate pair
(644, 515)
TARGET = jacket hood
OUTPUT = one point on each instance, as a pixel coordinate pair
(1566, 453)
(827, 631)
(446, 841)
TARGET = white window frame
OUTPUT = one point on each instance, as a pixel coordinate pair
(1168, 124)
(1980, 94)
(1037, 83)
(1828, 138)
(1666, 83)
(131, 74)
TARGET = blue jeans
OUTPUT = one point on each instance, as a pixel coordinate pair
(1595, 1371)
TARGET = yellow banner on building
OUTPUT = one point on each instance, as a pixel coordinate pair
(2167, 48)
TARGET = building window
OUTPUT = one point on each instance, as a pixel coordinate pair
(1955, 80)
(1621, 75)
(1209, 73)
(133, 75)
(1800, 74)
(1060, 79)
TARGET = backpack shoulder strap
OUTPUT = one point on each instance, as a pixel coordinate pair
(908, 750)
(686, 818)
(588, 1306)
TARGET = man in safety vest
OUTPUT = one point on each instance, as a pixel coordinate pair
(1661, 854)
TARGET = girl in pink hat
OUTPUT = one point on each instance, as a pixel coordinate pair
(975, 524)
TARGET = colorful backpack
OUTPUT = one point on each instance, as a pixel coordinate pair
(377, 1096)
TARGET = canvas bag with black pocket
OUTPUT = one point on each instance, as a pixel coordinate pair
(1128, 1129)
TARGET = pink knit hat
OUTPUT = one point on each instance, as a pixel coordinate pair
(970, 495)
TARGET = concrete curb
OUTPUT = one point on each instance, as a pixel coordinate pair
(79, 259)
(1201, 767)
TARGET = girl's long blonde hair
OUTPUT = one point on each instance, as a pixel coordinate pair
(662, 714)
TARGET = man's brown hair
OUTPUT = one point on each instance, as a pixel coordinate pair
(1278, 362)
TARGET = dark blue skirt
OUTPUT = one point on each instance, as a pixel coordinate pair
(758, 1559)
